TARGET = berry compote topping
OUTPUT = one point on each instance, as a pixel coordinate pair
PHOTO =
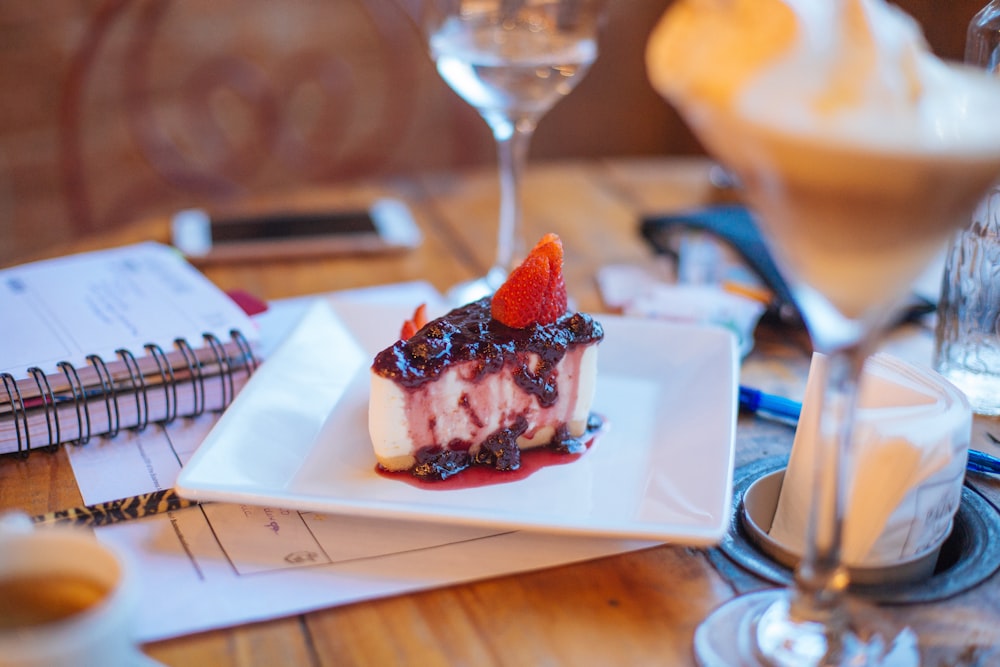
(499, 462)
(470, 333)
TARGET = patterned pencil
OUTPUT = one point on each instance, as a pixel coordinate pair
(113, 511)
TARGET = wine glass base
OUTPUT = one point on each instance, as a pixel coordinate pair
(473, 290)
(727, 638)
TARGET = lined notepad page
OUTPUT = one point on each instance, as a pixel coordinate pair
(95, 303)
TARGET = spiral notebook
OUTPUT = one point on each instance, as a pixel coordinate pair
(99, 342)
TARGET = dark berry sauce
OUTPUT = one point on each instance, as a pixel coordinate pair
(441, 466)
(470, 334)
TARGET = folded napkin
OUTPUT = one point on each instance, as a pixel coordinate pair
(904, 470)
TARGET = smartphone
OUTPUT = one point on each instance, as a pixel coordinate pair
(384, 226)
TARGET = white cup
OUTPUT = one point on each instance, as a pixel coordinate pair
(51, 571)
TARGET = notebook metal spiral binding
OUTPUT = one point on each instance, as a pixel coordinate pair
(8, 381)
(197, 381)
(107, 389)
(48, 398)
(132, 380)
(168, 381)
(79, 400)
(244, 345)
(137, 379)
(222, 359)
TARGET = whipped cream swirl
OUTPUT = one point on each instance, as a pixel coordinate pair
(855, 71)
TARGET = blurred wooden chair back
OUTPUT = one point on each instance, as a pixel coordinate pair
(118, 109)
(187, 102)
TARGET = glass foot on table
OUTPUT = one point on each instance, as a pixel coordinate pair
(727, 638)
(473, 290)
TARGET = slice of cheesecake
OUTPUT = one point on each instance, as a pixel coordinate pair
(489, 379)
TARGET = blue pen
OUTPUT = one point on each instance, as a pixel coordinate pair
(983, 462)
(755, 400)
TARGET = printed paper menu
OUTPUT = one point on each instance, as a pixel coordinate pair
(223, 564)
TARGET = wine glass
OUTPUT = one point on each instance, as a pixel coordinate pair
(852, 221)
(512, 60)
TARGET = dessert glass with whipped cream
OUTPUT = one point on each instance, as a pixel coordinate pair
(860, 152)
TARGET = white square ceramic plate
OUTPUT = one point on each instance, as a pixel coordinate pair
(297, 437)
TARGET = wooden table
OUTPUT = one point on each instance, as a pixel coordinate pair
(633, 609)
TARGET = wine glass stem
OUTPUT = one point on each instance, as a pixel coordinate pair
(512, 139)
(821, 578)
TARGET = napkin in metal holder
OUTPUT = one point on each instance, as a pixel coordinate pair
(759, 503)
(970, 554)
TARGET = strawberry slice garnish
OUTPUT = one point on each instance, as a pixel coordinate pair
(535, 292)
(414, 324)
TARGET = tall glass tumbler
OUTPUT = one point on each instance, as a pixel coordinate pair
(967, 338)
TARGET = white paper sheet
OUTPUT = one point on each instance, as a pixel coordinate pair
(94, 303)
(221, 564)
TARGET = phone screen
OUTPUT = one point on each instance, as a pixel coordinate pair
(291, 226)
(385, 225)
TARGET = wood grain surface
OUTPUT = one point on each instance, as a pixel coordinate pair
(639, 608)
